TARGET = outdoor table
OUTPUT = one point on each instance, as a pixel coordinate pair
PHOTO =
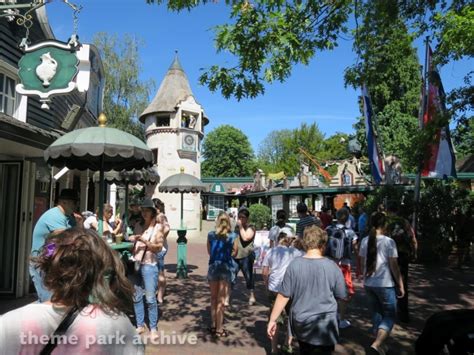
(122, 246)
(124, 250)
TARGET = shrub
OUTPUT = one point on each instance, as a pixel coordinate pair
(260, 215)
(444, 214)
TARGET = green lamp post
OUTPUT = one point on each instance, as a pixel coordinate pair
(182, 183)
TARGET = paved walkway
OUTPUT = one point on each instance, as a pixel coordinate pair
(186, 308)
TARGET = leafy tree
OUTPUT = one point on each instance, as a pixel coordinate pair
(125, 96)
(272, 151)
(260, 215)
(227, 152)
(269, 38)
(462, 107)
(451, 26)
(280, 149)
(334, 148)
(390, 70)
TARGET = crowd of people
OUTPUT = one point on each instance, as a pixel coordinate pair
(82, 283)
(85, 289)
(308, 273)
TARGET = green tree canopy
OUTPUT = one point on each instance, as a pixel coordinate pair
(227, 152)
(279, 151)
(125, 96)
(267, 38)
(334, 148)
(389, 67)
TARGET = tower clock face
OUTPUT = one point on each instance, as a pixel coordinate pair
(189, 140)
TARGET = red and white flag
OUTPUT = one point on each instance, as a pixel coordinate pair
(440, 161)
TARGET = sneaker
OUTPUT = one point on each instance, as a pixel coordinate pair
(141, 330)
(344, 323)
(154, 334)
(252, 300)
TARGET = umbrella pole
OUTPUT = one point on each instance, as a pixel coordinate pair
(182, 226)
(101, 197)
(182, 265)
(125, 217)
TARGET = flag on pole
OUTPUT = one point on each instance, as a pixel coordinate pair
(440, 162)
(376, 163)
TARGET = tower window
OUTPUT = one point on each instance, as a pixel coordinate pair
(155, 155)
(188, 120)
(162, 121)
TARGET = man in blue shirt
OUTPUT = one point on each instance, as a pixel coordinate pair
(362, 223)
(53, 221)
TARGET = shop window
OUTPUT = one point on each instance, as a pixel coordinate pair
(7, 95)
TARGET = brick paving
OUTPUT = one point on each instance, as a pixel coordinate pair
(186, 308)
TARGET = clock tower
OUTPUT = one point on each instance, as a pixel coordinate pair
(174, 128)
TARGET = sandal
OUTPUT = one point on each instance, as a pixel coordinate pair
(211, 330)
(222, 334)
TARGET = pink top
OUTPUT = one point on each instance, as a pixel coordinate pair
(150, 234)
(26, 330)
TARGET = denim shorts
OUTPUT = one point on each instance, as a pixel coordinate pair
(160, 264)
(383, 306)
(219, 271)
(160, 259)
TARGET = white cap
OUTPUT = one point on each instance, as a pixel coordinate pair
(288, 231)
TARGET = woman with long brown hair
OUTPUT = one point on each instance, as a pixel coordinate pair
(378, 257)
(219, 275)
(145, 280)
(88, 285)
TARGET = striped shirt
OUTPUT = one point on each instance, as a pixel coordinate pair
(304, 222)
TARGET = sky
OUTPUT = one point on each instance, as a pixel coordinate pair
(313, 93)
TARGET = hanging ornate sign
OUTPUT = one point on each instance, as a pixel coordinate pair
(48, 69)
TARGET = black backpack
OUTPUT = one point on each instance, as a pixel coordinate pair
(339, 245)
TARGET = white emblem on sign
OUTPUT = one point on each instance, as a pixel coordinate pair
(47, 69)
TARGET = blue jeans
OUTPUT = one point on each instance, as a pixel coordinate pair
(43, 293)
(246, 265)
(383, 306)
(146, 285)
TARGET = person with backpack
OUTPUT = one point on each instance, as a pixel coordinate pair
(313, 283)
(400, 230)
(341, 242)
(219, 247)
(277, 228)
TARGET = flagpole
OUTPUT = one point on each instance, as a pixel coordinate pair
(421, 113)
